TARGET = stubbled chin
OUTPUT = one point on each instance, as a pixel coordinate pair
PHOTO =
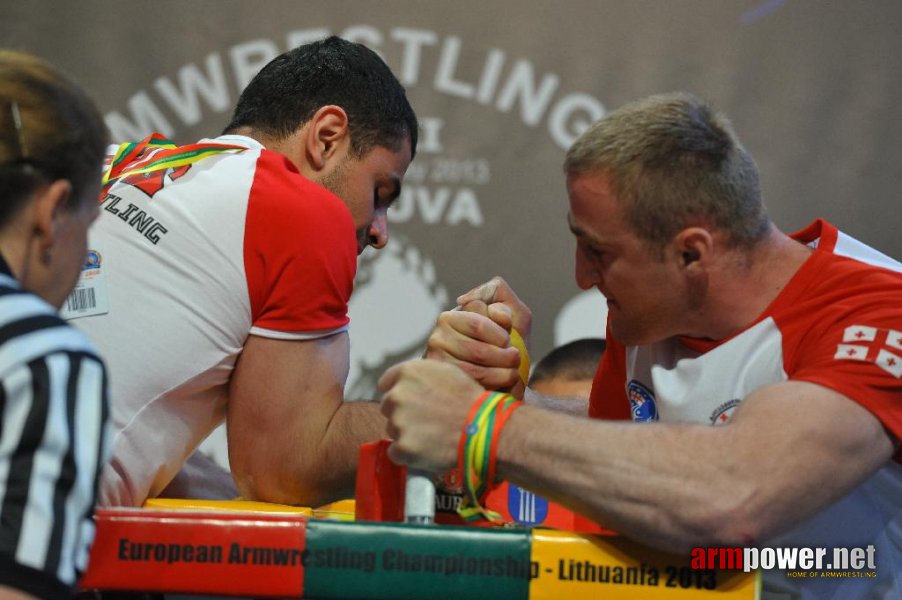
(361, 242)
(625, 335)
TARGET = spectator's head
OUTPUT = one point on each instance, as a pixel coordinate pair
(568, 370)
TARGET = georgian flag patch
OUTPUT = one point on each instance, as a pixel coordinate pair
(883, 347)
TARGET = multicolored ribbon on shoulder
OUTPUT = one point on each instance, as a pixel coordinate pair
(155, 153)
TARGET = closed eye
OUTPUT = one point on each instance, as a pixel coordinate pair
(593, 251)
(393, 189)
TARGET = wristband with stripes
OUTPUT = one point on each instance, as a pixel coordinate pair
(478, 450)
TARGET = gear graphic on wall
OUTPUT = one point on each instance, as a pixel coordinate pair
(395, 304)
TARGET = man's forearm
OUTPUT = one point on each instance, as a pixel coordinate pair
(615, 473)
(573, 405)
(292, 438)
(678, 485)
(353, 424)
(311, 471)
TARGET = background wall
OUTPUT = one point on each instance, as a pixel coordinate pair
(501, 88)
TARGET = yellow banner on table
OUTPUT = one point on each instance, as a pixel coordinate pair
(341, 510)
(227, 505)
(573, 566)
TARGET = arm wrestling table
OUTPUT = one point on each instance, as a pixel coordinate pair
(264, 550)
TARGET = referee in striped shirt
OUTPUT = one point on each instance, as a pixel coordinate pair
(53, 399)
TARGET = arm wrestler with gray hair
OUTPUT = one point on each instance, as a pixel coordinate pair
(750, 392)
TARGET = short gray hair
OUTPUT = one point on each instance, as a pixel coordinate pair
(674, 162)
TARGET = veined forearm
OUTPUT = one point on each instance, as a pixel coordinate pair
(670, 497)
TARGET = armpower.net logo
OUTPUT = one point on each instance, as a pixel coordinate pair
(796, 561)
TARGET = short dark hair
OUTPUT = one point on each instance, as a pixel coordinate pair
(674, 162)
(289, 90)
(573, 361)
(49, 129)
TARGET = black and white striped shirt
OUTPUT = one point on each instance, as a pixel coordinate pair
(53, 443)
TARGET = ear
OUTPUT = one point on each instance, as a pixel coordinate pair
(694, 248)
(326, 133)
(49, 205)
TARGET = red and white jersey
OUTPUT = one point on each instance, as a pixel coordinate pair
(837, 323)
(193, 260)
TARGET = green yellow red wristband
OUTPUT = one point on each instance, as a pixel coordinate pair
(477, 451)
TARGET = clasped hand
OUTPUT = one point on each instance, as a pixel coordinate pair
(426, 401)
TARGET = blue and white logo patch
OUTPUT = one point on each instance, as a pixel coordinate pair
(525, 507)
(642, 402)
(92, 260)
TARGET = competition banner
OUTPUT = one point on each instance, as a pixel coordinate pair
(248, 553)
(276, 551)
(574, 567)
(393, 561)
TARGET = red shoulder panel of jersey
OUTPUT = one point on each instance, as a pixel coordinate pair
(300, 251)
(842, 328)
(608, 398)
